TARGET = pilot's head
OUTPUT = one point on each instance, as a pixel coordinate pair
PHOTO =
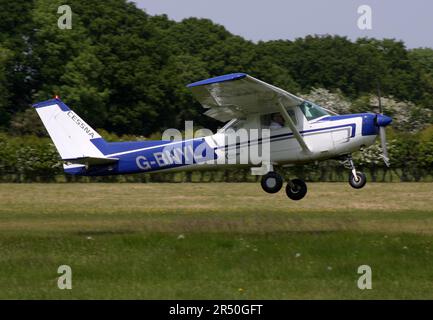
(278, 118)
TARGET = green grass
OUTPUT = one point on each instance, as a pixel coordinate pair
(215, 241)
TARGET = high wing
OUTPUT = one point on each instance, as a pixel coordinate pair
(238, 94)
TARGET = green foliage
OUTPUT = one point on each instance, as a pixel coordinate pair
(27, 122)
(5, 57)
(126, 71)
(28, 158)
(422, 60)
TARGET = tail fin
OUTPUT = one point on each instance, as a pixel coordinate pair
(70, 134)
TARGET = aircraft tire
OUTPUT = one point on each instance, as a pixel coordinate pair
(298, 192)
(272, 182)
(362, 180)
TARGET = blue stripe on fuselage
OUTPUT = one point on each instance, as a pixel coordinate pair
(159, 157)
(369, 127)
(289, 135)
(117, 147)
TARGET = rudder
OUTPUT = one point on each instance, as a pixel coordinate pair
(71, 135)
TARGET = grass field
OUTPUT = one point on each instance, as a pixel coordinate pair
(215, 241)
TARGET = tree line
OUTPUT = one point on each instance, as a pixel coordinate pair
(126, 71)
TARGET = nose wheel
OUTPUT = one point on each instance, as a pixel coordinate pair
(357, 179)
(272, 182)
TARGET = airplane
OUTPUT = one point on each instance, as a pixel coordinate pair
(299, 132)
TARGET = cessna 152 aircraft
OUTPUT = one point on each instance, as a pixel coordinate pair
(299, 132)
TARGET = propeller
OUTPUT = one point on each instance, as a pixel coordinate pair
(382, 121)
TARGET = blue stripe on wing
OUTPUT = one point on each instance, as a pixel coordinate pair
(224, 78)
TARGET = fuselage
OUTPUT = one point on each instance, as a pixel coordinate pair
(266, 127)
(327, 137)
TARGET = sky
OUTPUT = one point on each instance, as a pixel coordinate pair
(407, 20)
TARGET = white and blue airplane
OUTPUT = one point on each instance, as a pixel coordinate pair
(300, 132)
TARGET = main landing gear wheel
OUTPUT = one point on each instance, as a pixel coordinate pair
(272, 182)
(359, 181)
(296, 189)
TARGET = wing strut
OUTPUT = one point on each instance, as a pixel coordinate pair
(292, 127)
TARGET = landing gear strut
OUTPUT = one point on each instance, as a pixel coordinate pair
(357, 179)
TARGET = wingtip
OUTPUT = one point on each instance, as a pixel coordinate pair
(218, 79)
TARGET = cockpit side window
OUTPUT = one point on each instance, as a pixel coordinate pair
(234, 124)
(312, 111)
(275, 120)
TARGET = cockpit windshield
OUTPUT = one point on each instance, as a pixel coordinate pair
(312, 111)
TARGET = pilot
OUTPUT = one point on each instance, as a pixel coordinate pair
(277, 121)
